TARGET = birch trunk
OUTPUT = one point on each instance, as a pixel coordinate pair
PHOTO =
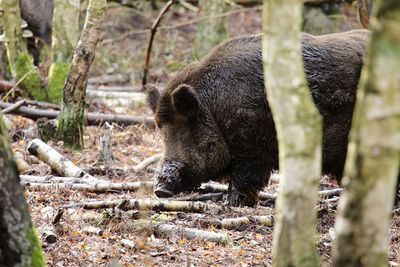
(299, 131)
(70, 125)
(64, 39)
(212, 31)
(374, 149)
(19, 243)
(21, 63)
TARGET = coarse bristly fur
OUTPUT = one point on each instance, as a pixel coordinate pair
(215, 121)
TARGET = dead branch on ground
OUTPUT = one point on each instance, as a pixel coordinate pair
(90, 118)
(191, 233)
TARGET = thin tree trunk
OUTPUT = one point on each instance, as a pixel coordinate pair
(212, 31)
(21, 63)
(374, 149)
(19, 245)
(64, 40)
(298, 125)
(70, 126)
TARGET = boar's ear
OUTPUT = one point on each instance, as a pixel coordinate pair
(185, 102)
(153, 95)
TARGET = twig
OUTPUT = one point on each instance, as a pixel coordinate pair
(90, 118)
(57, 216)
(331, 192)
(153, 31)
(16, 85)
(178, 25)
(146, 162)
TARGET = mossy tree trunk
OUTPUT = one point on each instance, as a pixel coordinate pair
(21, 63)
(19, 245)
(64, 39)
(299, 130)
(372, 166)
(70, 123)
(211, 31)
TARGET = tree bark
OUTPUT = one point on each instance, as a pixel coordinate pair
(298, 125)
(64, 40)
(70, 124)
(19, 244)
(21, 63)
(212, 31)
(373, 160)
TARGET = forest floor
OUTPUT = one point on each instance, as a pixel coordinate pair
(250, 245)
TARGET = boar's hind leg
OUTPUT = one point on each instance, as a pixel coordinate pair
(247, 179)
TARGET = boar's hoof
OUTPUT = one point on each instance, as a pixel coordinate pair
(163, 192)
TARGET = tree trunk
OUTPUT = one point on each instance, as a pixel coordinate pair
(19, 245)
(299, 128)
(374, 149)
(64, 40)
(212, 31)
(21, 63)
(70, 126)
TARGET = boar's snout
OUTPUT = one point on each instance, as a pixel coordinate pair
(168, 179)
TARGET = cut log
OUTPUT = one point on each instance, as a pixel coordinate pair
(55, 160)
(191, 233)
(90, 118)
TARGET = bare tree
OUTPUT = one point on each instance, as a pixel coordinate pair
(70, 125)
(19, 243)
(64, 39)
(373, 162)
(21, 63)
(299, 131)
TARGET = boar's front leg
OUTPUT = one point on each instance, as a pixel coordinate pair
(247, 179)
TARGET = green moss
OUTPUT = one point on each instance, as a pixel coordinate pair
(57, 74)
(31, 83)
(37, 255)
(70, 126)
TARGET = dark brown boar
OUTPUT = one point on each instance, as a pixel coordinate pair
(215, 120)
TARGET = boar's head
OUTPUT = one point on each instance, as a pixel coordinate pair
(194, 149)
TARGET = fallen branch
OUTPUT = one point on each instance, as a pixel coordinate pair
(55, 160)
(203, 197)
(146, 162)
(153, 204)
(56, 179)
(14, 106)
(90, 118)
(107, 79)
(213, 187)
(190, 233)
(231, 223)
(98, 187)
(120, 99)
